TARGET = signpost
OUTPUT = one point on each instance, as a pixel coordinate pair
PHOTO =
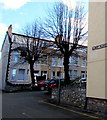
(59, 89)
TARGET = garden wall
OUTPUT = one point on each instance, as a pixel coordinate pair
(74, 95)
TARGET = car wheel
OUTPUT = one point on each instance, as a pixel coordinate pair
(42, 88)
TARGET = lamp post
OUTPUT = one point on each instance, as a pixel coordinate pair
(58, 40)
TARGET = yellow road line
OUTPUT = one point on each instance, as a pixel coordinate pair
(72, 110)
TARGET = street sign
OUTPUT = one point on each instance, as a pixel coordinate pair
(99, 46)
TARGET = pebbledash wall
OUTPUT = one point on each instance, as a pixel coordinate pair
(74, 95)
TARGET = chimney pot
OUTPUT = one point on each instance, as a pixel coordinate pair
(10, 30)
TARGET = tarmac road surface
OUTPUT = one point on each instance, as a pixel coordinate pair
(31, 104)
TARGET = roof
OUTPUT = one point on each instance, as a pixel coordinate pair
(41, 38)
(47, 40)
(33, 37)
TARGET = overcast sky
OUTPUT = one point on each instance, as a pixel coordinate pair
(21, 12)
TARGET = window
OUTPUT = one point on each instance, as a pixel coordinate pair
(36, 73)
(54, 61)
(53, 74)
(83, 74)
(83, 62)
(44, 59)
(60, 62)
(75, 60)
(15, 56)
(75, 74)
(70, 60)
(16, 53)
(43, 73)
(21, 74)
(13, 74)
(70, 74)
(28, 71)
(59, 75)
(22, 59)
(15, 59)
(37, 62)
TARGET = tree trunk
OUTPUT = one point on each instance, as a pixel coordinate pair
(66, 68)
(32, 73)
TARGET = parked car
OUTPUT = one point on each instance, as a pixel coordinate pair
(82, 80)
(41, 84)
(53, 83)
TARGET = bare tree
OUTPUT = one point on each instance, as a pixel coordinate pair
(66, 26)
(32, 48)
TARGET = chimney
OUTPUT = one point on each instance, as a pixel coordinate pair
(10, 30)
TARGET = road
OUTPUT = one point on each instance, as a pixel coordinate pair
(30, 104)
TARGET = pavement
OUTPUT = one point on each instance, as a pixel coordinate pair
(35, 105)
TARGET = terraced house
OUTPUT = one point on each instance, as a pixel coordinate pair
(15, 71)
